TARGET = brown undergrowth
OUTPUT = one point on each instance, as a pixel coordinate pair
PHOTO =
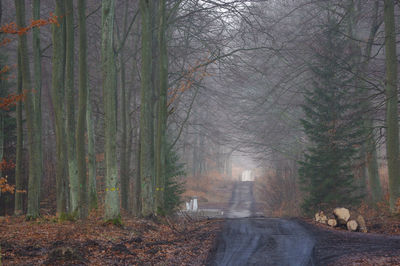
(212, 190)
(278, 194)
(169, 241)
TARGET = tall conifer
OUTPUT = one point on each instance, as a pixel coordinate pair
(332, 124)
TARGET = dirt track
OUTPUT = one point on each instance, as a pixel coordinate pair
(249, 240)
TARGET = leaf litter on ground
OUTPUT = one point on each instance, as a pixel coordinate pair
(166, 241)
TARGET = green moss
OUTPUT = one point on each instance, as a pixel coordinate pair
(71, 217)
(32, 217)
(116, 221)
(161, 212)
(93, 201)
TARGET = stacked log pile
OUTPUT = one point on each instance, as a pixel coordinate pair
(341, 217)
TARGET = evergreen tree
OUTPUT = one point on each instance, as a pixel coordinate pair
(174, 187)
(332, 124)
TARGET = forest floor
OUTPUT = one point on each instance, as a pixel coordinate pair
(183, 240)
(380, 246)
(337, 246)
(170, 241)
(179, 241)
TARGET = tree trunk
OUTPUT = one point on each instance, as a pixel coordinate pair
(109, 94)
(33, 188)
(91, 155)
(133, 138)
(37, 70)
(18, 207)
(162, 111)
(137, 188)
(371, 153)
(392, 124)
(58, 78)
(124, 140)
(136, 156)
(372, 167)
(80, 129)
(195, 160)
(1, 138)
(124, 116)
(70, 107)
(129, 146)
(146, 111)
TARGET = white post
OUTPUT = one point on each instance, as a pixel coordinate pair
(191, 205)
(195, 206)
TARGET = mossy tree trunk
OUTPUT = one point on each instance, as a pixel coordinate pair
(112, 211)
(161, 110)
(80, 129)
(371, 152)
(392, 123)
(18, 204)
(134, 132)
(124, 120)
(58, 77)
(37, 77)
(70, 107)
(373, 167)
(146, 113)
(91, 155)
(136, 198)
(1, 137)
(34, 176)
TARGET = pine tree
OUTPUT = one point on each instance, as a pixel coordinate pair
(332, 124)
(174, 186)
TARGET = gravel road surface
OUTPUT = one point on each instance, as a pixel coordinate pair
(248, 239)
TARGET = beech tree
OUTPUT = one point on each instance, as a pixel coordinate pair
(161, 138)
(32, 126)
(146, 112)
(109, 97)
(37, 102)
(82, 112)
(58, 92)
(70, 107)
(18, 204)
(93, 204)
(392, 123)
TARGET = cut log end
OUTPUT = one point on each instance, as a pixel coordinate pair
(320, 217)
(361, 223)
(332, 222)
(342, 215)
(352, 225)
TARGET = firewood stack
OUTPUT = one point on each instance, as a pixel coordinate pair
(342, 218)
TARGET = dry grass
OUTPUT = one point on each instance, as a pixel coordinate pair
(278, 195)
(212, 188)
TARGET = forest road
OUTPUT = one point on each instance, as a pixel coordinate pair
(247, 240)
(250, 240)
